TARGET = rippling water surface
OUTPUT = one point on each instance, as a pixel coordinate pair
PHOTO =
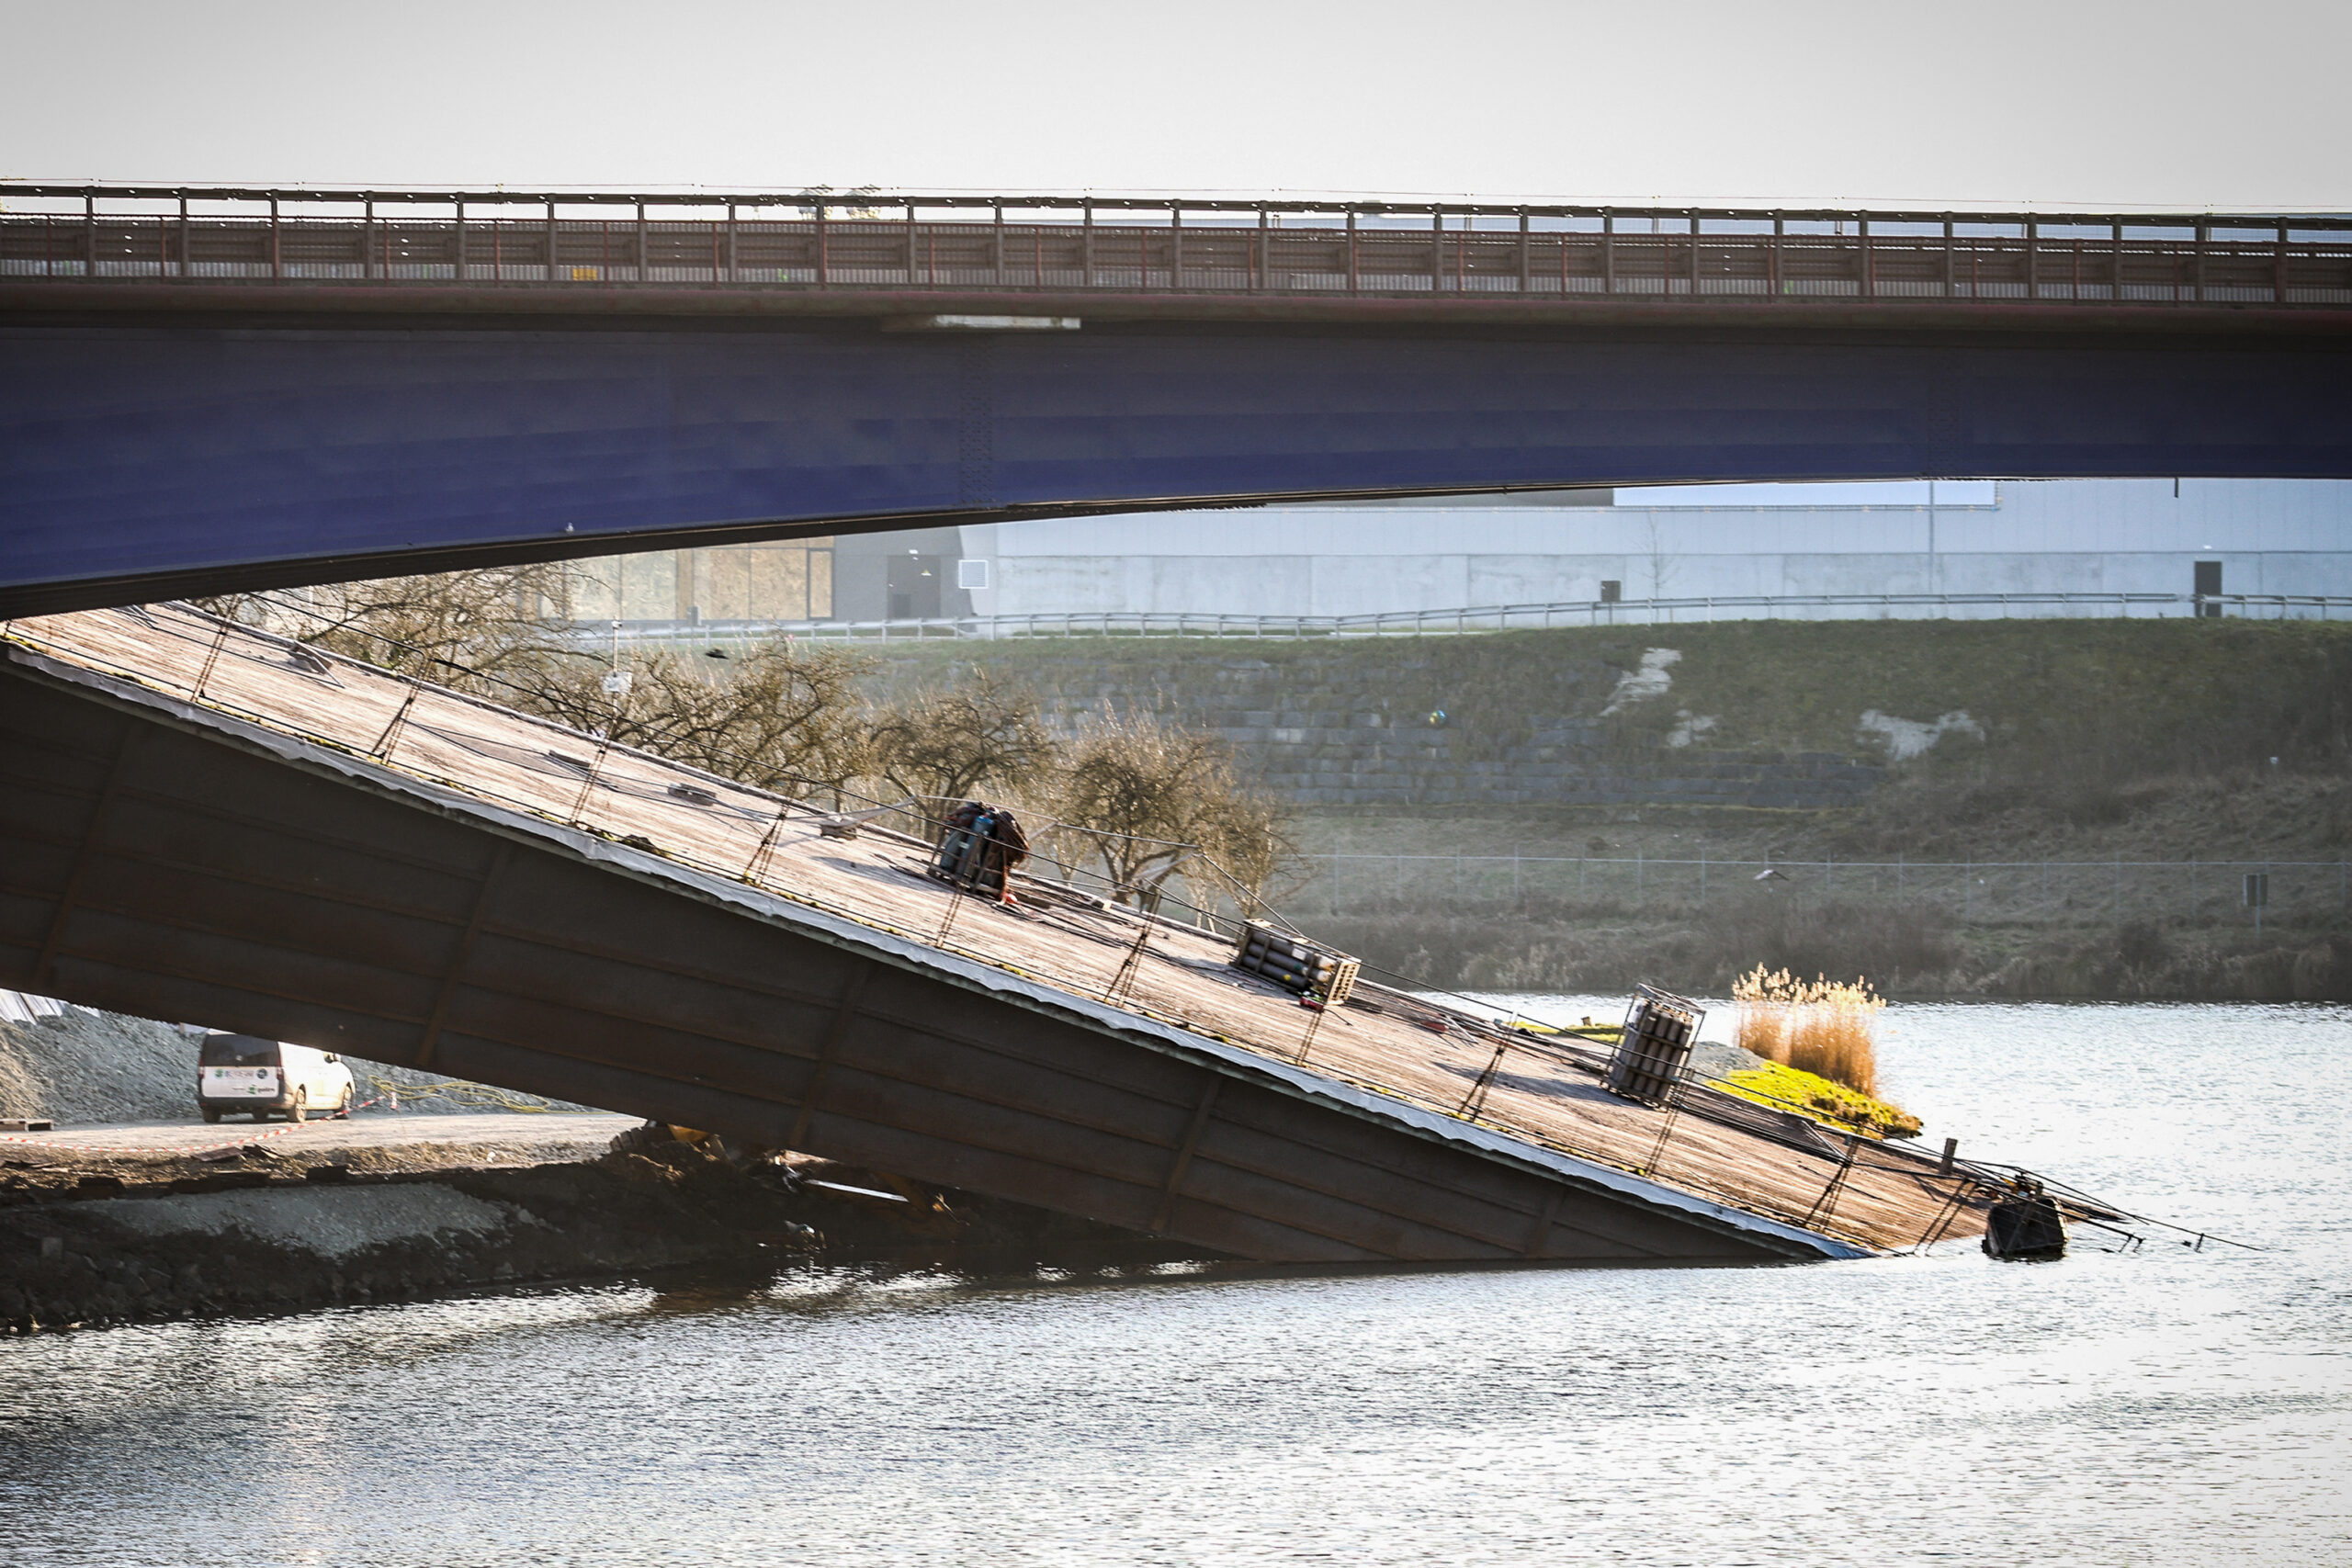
(2169, 1406)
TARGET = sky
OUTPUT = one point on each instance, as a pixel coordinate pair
(2150, 106)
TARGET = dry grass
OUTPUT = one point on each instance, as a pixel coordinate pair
(1824, 1027)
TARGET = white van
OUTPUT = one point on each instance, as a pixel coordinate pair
(244, 1073)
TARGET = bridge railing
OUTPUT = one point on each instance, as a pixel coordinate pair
(1047, 245)
(1493, 618)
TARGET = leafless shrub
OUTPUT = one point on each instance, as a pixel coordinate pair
(1144, 799)
(466, 629)
(777, 718)
(942, 747)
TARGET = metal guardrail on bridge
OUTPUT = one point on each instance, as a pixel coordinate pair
(1498, 618)
(1063, 245)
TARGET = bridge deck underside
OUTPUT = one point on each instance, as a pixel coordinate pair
(485, 895)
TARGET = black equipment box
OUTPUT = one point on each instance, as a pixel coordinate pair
(981, 847)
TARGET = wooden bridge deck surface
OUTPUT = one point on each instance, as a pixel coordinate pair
(507, 759)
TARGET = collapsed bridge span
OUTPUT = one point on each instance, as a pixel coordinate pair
(201, 820)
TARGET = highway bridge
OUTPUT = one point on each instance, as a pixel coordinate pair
(205, 390)
(201, 820)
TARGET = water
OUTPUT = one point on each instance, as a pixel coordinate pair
(2172, 1406)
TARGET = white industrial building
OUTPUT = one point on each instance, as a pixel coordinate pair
(2095, 536)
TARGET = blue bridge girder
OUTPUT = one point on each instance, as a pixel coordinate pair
(192, 399)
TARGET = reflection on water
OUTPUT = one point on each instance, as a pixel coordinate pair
(2170, 1406)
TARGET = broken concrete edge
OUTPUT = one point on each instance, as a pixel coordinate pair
(875, 944)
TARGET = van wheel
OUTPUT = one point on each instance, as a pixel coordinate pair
(343, 1107)
(210, 1114)
(300, 1110)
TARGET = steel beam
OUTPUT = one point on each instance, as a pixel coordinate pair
(145, 458)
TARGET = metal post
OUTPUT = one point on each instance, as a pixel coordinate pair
(824, 268)
(1949, 284)
(1526, 261)
(90, 232)
(1608, 251)
(184, 257)
(731, 245)
(1176, 247)
(552, 247)
(1694, 254)
(641, 242)
(277, 259)
(458, 270)
(1437, 249)
(1085, 241)
(1351, 250)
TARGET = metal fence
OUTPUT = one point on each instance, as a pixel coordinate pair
(1995, 891)
(1047, 245)
(1497, 618)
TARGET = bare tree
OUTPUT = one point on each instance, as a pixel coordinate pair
(776, 719)
(941, 747)
(466, 629)
(1662, 572)
(1144, 800)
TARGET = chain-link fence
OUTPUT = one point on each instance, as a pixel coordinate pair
(2034, 891)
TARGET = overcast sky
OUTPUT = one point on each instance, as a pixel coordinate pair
(2048, 104)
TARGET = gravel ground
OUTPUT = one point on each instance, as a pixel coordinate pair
(82, 1068)
(436, 1140)
(1716, 1059)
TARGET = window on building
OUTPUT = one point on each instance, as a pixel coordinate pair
(972, 574)
(1612, 591)
(788, 581)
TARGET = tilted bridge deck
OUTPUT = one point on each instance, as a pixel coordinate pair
(201, 820)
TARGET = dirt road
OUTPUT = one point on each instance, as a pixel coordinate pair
(140, 1151)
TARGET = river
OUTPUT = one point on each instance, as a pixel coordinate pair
(2170, 1405)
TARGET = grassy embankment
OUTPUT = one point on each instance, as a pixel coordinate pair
(2131, 741)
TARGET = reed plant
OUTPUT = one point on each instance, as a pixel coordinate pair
(1824, 1027)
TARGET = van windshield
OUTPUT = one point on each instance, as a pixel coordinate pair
(237, 1050)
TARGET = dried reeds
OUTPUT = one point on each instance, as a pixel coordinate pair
(1819, 1026)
